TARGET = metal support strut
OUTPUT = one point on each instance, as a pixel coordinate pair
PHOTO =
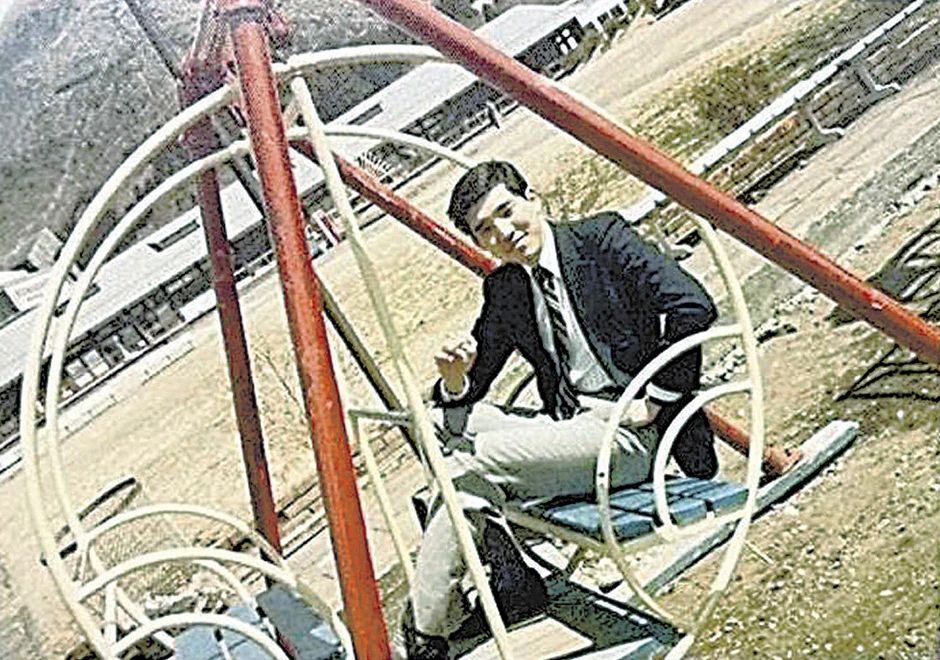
(202, 140)
(308, 331)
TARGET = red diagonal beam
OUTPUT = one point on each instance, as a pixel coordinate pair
(664, 173)
(202, 141)
(308, 332)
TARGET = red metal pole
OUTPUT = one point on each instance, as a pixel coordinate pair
(776, 461)
(202, 140)
(664, 173)
(308, 333)
(407, 213)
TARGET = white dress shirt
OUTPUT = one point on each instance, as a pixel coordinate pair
(585, 372)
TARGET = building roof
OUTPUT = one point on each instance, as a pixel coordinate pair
(130, 276)
(419, 91)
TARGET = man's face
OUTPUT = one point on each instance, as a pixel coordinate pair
(508, 226)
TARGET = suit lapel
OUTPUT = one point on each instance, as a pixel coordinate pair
(586, 285)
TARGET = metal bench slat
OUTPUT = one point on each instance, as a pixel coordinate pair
(633, 508)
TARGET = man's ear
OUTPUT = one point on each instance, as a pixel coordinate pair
(534, 195)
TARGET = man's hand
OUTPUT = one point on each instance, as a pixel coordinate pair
(454, 362)
(640, 412)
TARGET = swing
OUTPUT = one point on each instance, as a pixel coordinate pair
(619, 521)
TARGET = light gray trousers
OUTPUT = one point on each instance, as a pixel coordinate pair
(512, 455)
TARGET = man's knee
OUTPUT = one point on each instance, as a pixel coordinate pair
(694, 449)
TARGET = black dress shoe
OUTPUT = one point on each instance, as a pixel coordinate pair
(519, 601)
(523, 598)
(412, 644)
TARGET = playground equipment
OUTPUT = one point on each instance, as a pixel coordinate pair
(101, 616)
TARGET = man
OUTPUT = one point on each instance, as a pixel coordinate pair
(588, 305)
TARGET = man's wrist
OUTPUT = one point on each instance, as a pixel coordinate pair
(660, 395)
(449, 393)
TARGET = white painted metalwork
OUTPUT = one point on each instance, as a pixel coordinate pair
(179, 555)
(385, 502)
(667, 530)
(68, 589)
(745, 329)
(44, 333)
(798, 93)
(423, 427)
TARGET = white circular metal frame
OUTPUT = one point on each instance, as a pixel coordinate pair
(422, 422)
(667, 531)
(90, 217)
(754, 385)
(69, 591)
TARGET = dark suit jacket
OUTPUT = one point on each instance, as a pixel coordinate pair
(630, 300)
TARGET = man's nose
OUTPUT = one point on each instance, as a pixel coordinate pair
(503, 226)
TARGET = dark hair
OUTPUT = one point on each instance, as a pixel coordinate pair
(476, 183)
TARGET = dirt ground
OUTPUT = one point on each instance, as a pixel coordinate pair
(854, 572)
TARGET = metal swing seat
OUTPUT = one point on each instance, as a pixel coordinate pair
(628, 519)
(621, 520)
(617, 522)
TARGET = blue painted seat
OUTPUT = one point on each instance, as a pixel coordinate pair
(297, 624)
(633, 508)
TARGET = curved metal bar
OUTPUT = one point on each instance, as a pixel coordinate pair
(348, 130)
(32, 371)
(227, 576)
(248, 631)
(756, 449)
(425, 431)
(733, 553)
(163, 136)
(61, 338)
(401, 53)
(67, 322)
(602, 470)
(667, 529)
(179, 555)
(188, 510)
(385, 503)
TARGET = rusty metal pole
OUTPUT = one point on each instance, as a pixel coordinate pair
(308, 331)
(407, 213)
(776, 461)
(663, 173)
(202, 140)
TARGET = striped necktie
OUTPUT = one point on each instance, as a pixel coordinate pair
(548, 284)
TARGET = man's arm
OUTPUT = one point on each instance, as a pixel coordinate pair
(463, 382)
(664, 289)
